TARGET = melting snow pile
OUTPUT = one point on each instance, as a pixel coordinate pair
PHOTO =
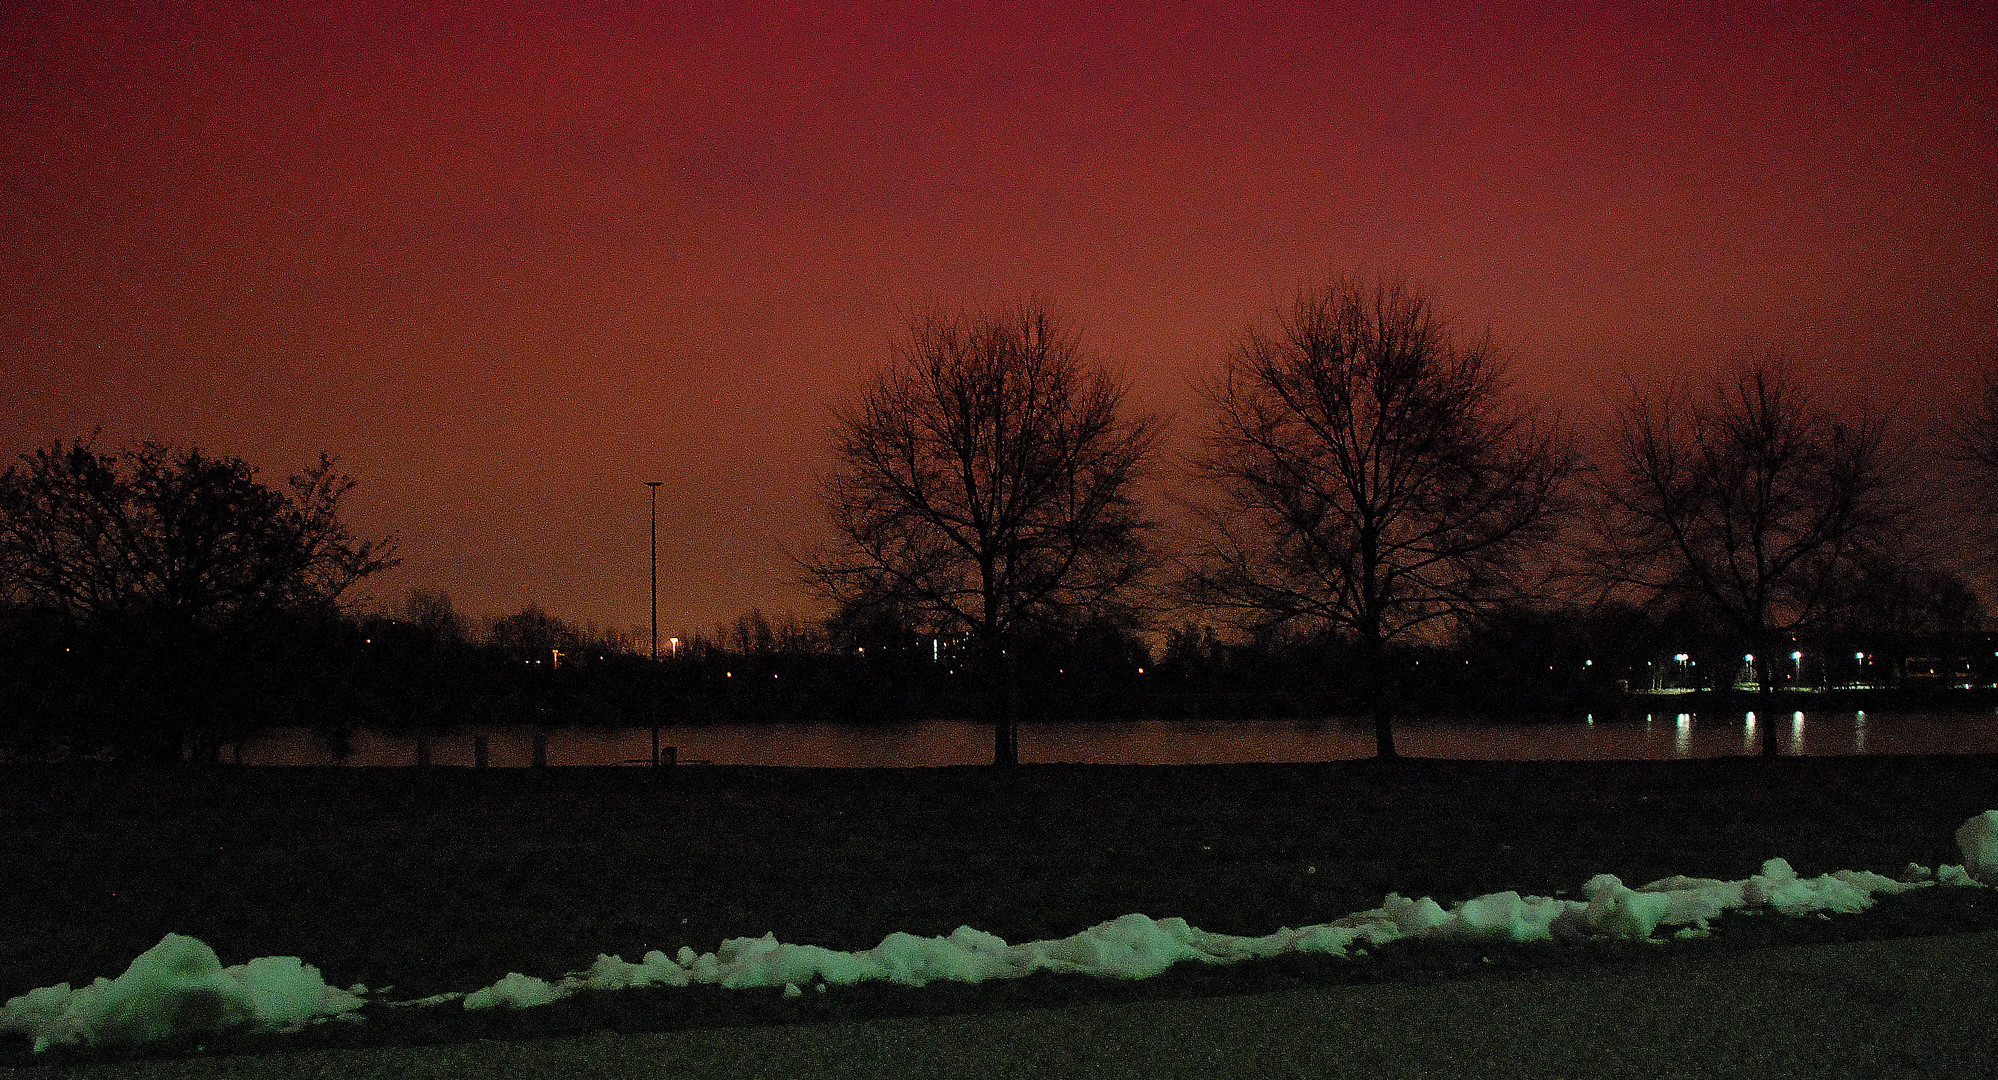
(179, 988)
(1137, 947)
(176, 989)
(1978, 840)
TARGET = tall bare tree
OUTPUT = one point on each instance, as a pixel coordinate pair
(1752, 504)
(984, 481)
(1372, 475)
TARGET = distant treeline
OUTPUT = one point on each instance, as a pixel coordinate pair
(424, 667)
(1380, 522)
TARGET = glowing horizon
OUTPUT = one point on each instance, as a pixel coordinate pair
(511, 268)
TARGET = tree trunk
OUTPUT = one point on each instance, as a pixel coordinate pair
(1384, 732)
(1380, 688)
(1765, 672)
(1005, 743)
(1000, 700)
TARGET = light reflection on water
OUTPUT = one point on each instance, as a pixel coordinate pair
(1652, 736)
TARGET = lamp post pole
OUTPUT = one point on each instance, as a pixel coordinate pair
(654, 485)
(653, 674)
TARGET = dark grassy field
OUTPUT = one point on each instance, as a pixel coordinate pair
(439, 879)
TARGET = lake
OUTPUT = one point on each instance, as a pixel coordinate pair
(1657, 735)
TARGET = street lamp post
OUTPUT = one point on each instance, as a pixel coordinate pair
(654, 674)
(654, 485)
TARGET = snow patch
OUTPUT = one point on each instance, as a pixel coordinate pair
(1622, 912)
(175, 989)
(516, 991)
(1978, 840)
(179, 988)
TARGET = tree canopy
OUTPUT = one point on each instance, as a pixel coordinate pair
(984, 481)
(173, 564)
(1369, 472)
(1753, 505)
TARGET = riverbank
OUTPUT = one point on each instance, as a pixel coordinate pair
(439, 880)
(1908, 696)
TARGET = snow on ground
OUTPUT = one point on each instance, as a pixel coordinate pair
(1978, 840)
(1137, 946)
(179, 989)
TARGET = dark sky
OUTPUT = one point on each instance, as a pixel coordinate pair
(508, 266)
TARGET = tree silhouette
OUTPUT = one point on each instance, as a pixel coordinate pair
(176, 566)
(983, 482)
(1370, 476)
(1973, 441)
(1752, 504)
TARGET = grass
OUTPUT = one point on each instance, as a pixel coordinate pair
(441, 879)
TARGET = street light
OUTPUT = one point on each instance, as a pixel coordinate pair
(654, 485)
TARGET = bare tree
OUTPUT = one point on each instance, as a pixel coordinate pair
(436, 619)
(1752, 504)
(1976, 438)
(984, 481)
(176, 561)
(1372, 475)
(174, 538)
(533, 634)
(1973, 441)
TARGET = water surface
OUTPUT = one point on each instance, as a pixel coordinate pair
(1657, 735)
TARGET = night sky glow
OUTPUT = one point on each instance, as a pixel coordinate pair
(508, 266)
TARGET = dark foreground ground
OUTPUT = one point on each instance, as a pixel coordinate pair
(440, 879)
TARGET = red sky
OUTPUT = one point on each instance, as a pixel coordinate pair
(508, 266)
